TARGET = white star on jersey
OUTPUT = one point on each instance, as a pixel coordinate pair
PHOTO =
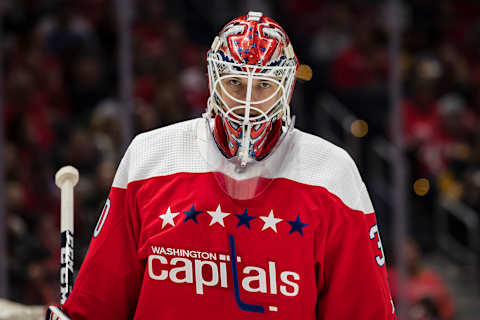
(218, 216)
(270, 221)
(167, 217)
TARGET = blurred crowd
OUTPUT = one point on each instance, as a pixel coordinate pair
(440, 73)
(61, 107)
(347, 45)
(60, 96)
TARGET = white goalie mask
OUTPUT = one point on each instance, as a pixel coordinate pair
(251, 70)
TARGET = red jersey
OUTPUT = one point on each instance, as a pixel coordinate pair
(171, 244)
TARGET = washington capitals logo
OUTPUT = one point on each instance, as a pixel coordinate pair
(181, 265)
(248, 278)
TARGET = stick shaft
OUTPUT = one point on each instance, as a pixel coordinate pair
(66, 229)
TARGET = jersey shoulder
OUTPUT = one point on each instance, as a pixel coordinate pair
(159, 152)
(319, 162)
(315, 147)
(154, 142)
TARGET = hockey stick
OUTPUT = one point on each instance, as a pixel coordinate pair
(66, 178)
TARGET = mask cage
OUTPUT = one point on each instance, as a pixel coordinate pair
(282, 75)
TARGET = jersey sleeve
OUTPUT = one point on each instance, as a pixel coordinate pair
(110, 277)
(353, 281)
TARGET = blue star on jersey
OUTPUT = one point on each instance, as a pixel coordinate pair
(244, 219)
(192, 214)
(297, 225)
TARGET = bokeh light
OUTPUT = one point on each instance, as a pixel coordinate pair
(421, 186)
(359, 128)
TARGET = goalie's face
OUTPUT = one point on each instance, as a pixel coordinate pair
(258, 96)
(250, 105)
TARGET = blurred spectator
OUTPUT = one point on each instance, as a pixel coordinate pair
(80, 152)
(454, 74)
(426, 291)
(364, 63)
(423, 130)
(193, 80)
(27, 109)
(358, 74)
(67, 32)
(334, 36)
(88, 83)
(106, 129)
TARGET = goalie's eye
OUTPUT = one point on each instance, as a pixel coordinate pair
(265, 85)
(234, 82)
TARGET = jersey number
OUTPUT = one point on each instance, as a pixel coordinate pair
(102, 218)
(380, 259)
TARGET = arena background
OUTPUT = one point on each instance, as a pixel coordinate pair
(396, 83)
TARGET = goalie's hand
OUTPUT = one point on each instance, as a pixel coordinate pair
(54, 313)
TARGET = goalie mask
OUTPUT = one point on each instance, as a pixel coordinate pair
(251, 70)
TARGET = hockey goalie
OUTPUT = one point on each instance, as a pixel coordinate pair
(236, 214)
